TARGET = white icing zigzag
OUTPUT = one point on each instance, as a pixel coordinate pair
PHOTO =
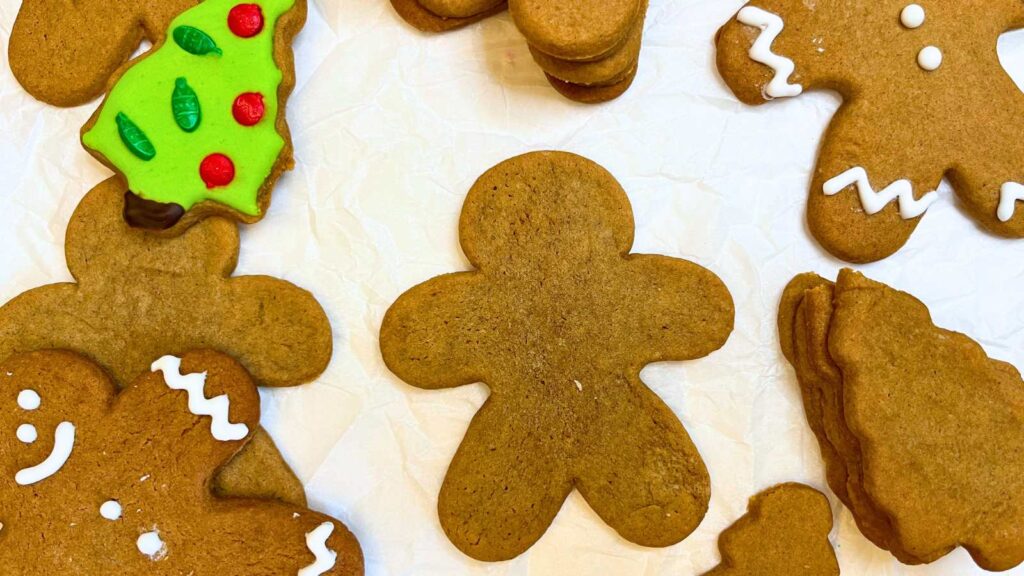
(216, 408)
(1009, 195)
(63, 443)
(873, 202)
(771, 26)
(316, 541)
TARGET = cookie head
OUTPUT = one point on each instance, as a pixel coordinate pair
(199, 121)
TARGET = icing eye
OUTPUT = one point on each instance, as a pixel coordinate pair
(27, 433)
(111, 510)
(29, 400)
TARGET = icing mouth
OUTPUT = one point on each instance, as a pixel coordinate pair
(63, 443)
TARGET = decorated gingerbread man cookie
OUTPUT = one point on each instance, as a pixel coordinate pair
(925, 97)
(65, 53)
(197, 126)
(557, 319)
(94, 481)
(138, 296)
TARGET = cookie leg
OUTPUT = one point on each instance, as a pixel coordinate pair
(650, 485)
(869, 190)
(505, 485)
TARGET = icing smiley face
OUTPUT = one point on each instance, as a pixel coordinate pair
(63, 442)
(133, 495)
(924, 98)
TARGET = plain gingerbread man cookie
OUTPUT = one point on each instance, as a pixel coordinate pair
(924, 97)
(138, 296)
(96, 481)
(557, 319)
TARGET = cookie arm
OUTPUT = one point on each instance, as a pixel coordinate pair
(673, 310)
(431, 334)
(763, 54)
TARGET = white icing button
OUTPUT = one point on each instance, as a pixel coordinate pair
(150, 544)
(912, 16)
(29, 400)
(27, 433)
(930, 58)
(111, 510)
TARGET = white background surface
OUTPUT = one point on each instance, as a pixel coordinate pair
(391, 127)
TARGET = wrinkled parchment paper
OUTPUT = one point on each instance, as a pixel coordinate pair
(391, 127)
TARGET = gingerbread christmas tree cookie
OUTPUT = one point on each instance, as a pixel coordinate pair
(96, 481)
(784, 533)
(925, 97)
(920, 431)
(197, 126)
(557, 319)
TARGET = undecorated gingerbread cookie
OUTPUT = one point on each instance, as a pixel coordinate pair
(65, 53)
(925, 97)
(96, 481)
(557, 319)
(920, 431)
(137, 297)
(588, 50)
(784, 533)
(197, 126)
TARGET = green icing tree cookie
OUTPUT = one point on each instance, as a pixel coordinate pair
(198, 122)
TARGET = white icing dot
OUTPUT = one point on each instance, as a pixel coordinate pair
(150, 544)
(27, 433)
(930, 58)
(912, 16)
(29, 400)
(111, 510)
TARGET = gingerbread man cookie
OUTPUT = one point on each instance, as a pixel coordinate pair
(65, 53)
(197, 127)
(925, 97)
(138, 296)
(784, 533)
(920, 431)
(589, 50)
(557, 319)
(100, 482)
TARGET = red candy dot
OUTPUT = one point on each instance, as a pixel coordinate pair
(248, 108)
(217, 170)
(246, 20)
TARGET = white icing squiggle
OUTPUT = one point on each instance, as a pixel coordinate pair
(216, 408)
(771, 26)
(873, 202)
(150, 545)
(316, 541)
(63, 443)
(1009, 195)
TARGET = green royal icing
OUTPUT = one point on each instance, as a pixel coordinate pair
(244, 65)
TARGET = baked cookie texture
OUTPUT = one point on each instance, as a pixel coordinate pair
(98, 481)
(137, 296)
(558, 318)
(920, 431)
(924, 97)
(65, 53)
(589, 50)
(197, 126)
(784, 533)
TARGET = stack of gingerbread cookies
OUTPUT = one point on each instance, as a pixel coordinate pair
(589, 51)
